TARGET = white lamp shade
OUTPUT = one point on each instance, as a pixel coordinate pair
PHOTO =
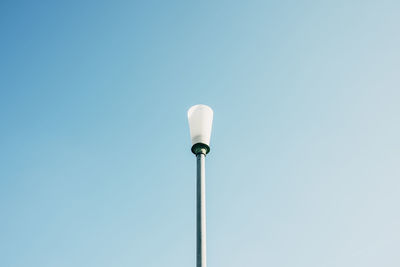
(200, 123)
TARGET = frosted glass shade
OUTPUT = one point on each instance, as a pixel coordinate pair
(200, 123)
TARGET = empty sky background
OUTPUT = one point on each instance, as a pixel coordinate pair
(95, 161)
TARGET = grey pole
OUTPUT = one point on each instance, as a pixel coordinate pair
(201, 212)
(200, 150)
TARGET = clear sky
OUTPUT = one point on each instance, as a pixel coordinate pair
(95, 161)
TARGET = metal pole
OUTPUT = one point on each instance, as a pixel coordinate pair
(201, 211)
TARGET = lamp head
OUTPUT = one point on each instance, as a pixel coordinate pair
(200, 123)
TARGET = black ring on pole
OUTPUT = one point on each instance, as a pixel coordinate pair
(199, 148)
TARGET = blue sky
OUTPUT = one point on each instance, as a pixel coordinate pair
(96, 168)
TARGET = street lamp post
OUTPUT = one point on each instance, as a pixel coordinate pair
(200, 123)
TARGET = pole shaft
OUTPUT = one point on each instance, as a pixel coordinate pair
(201, 212)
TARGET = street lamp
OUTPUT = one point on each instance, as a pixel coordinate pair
(200, 123)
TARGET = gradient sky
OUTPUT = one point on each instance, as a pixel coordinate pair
(95, 161)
